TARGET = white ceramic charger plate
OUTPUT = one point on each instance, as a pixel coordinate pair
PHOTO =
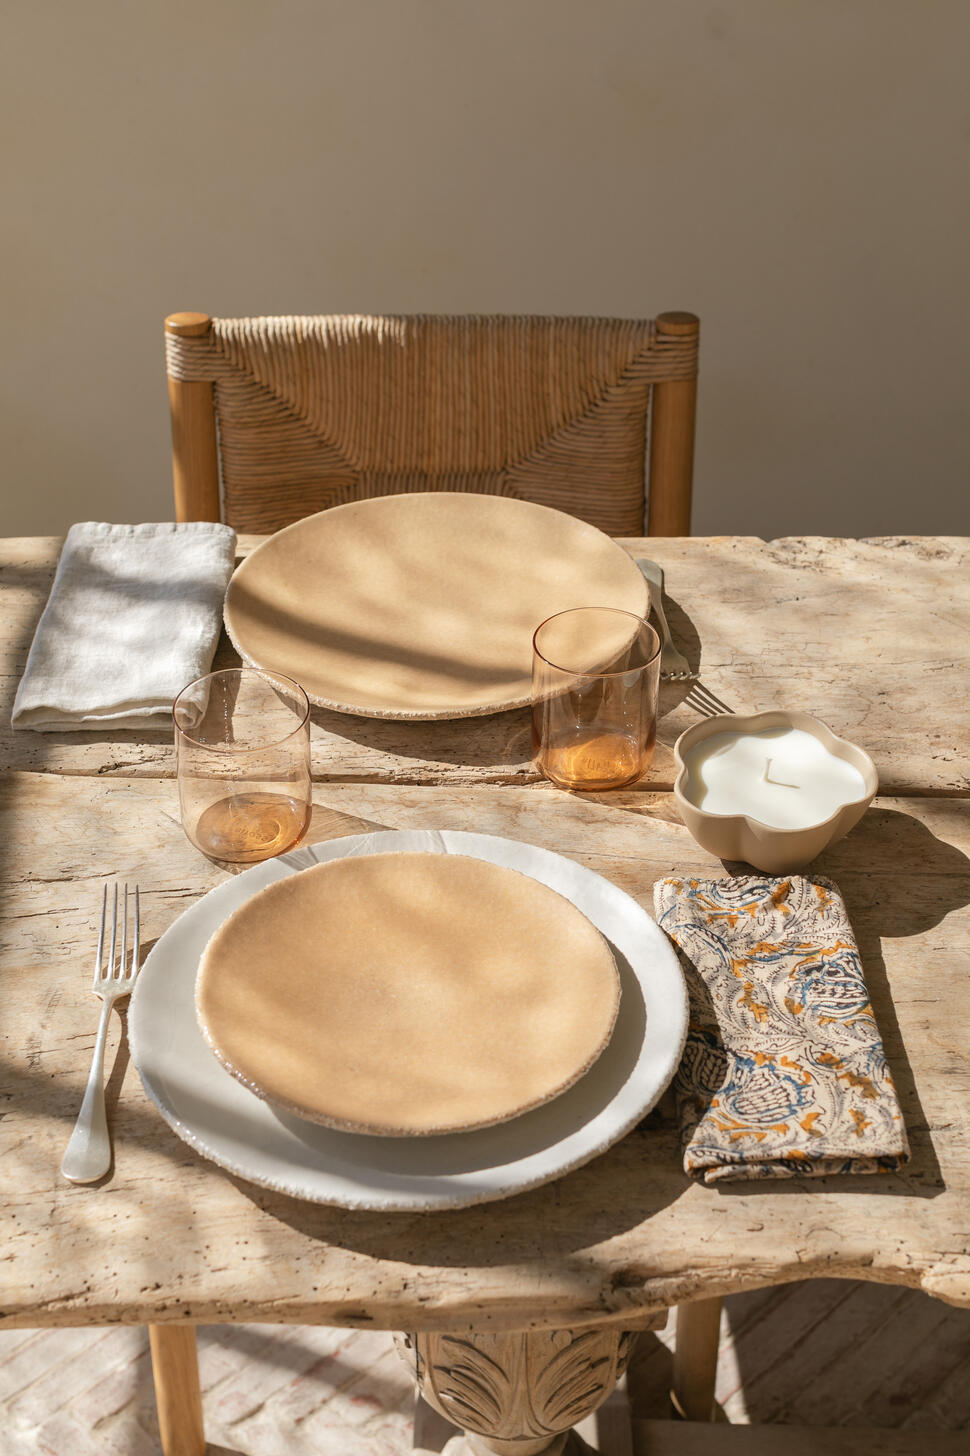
(225, 1122)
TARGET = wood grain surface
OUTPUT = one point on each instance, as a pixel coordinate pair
(170, 1237)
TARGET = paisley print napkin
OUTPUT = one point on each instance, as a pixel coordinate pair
(784, 1073)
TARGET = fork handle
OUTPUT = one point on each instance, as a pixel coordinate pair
(88, 1155)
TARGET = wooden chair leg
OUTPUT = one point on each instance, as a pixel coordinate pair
(175, 1367)
(695, 1358)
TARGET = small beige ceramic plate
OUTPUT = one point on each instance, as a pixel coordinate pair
(423, 605)
(403, 994)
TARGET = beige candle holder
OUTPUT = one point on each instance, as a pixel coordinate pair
(742, 837)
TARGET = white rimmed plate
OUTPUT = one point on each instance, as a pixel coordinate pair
(225, 1122)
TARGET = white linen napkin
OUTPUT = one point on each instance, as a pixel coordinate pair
(134, 614)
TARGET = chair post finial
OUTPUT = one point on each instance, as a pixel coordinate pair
(188, 325)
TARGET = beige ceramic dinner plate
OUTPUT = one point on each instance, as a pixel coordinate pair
(421, 605)
(407, 994)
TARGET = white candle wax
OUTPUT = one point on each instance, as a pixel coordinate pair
(783, 777)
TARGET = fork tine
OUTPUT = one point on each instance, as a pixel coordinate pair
(104, 916)
(114, 933)
(704, 701)
(124, 938)
(136, 948)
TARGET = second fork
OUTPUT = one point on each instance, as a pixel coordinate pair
(674, 666)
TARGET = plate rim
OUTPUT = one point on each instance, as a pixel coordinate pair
(450, 1196)
(408, 715)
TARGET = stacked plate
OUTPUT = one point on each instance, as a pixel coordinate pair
(408, 1020)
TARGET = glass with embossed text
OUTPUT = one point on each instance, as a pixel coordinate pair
(595, 682)
(242, 738)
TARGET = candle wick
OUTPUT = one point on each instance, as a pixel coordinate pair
(780, 783)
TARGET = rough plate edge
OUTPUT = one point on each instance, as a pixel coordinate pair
(370, 1129)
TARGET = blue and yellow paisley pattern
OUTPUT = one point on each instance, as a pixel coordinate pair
(784, 1073)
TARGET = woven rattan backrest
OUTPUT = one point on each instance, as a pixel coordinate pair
(315, 411)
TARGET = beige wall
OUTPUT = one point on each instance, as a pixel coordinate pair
(795, 171)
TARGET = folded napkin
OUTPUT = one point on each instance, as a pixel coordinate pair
(134, 614)
(784, 1073)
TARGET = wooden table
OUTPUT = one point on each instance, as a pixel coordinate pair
(869, 635)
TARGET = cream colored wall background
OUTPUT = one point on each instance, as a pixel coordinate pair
(795, 171)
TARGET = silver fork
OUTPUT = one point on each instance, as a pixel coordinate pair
(674, 666)
(704, 701)
(88, 1154)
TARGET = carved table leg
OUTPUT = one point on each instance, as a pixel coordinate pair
(175, 1367)
(518, 1394)
(695, 1358)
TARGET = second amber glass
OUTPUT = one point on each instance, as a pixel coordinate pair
(595, 680)
(243, 744)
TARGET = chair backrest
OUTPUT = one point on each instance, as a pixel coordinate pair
(275, 418)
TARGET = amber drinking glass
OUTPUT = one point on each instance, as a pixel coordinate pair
(595, 680)
(243, 743)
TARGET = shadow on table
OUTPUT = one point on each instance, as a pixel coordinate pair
(620, 1189)
(898, 879)
(502, 741)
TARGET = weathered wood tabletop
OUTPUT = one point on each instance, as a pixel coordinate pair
(869, 635)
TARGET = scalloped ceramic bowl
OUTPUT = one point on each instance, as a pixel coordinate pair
(742, 837)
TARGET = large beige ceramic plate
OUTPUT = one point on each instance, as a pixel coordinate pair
(422, 605)
(407, 994)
